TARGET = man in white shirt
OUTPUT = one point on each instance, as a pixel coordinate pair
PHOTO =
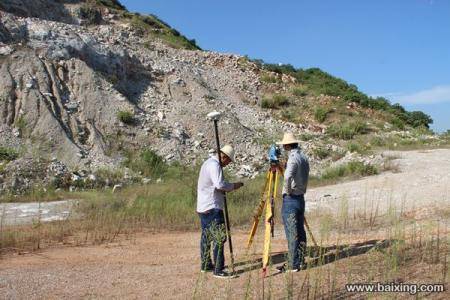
(211, 191)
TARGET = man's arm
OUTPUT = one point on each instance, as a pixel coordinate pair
(220, 183)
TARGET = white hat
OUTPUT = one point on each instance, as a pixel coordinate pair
(288, 138)
(228, 151)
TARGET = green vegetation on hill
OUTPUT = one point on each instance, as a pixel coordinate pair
(315, 81)
(146, 25)
(111, 4)
(153, 27)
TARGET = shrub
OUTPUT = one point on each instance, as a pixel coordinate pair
(90, 13)
(148, 163)
(321, 152)
(8, 154)
(300, 91)
(320, 114)
(288, 115)
(306, 137)
(269, 78)
(419, 119)
(126, 117)
(398, 123)
(275, 102)
(349, 169)
(354, 147)
(377, 141)
(347, 131)
(111, 4)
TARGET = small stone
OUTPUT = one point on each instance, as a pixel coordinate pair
(117, 188)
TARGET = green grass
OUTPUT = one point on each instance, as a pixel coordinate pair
(126, 117)
(154, 28)
(320, 114)
(348, 130)
(354, 169)
(269, 78)
(147, 163)
(8, 154)
(276, 101)
(321, 152)
(300, 91)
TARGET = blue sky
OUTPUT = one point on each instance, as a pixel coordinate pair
(397, 49)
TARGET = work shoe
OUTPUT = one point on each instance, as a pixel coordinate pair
(224, 274)
(283, 269)
(208, 268)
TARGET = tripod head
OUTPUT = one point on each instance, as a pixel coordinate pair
(274, 155)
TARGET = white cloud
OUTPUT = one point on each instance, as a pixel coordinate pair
(437, 94)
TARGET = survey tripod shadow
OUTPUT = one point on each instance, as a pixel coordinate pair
(319, 256)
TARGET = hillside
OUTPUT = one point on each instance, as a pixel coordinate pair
(88, 86)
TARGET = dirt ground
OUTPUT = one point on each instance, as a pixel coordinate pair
(157, 265)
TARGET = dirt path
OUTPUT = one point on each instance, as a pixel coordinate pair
(165, 265)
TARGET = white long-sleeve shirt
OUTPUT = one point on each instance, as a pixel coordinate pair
(211, 185)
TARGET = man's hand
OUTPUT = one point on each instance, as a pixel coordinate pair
(238, 185)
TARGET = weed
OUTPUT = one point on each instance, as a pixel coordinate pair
(300, 91)
(276, 101)
(320, 114)
(8, 154)
(126, 117)
(321, 152)
(348, 130)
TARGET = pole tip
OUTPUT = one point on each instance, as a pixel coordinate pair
(214, 115)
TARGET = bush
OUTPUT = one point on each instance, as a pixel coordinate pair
(300, 91)
(112, 4)
(397, 123)
(275, 102)
(354, 147)
(320, 114)
(321, 152)
(91, 14)
(8, 154)
(347, 131)
(349, 169)
(147, 163)
(269, 78)
(419, 119)
(126, 117)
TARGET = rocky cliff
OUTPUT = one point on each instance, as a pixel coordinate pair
(83, 81)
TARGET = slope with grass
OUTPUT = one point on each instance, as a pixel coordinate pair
(111, 86)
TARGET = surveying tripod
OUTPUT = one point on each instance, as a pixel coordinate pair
(267, 201)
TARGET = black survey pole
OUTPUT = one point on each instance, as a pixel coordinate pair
(225, 207)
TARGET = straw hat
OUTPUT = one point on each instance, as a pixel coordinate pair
(228, 151)
(288, 138)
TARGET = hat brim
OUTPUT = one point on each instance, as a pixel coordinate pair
(287, 142)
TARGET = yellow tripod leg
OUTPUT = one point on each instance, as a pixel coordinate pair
(268, 219)
(258, 213)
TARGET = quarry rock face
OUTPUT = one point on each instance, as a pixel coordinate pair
(62, 86)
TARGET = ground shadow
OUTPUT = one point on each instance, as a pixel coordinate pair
(319, 256)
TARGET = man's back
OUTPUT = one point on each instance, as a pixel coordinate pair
(296, 173)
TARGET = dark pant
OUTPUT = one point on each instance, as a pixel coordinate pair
(293, 213)
(213, 231)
